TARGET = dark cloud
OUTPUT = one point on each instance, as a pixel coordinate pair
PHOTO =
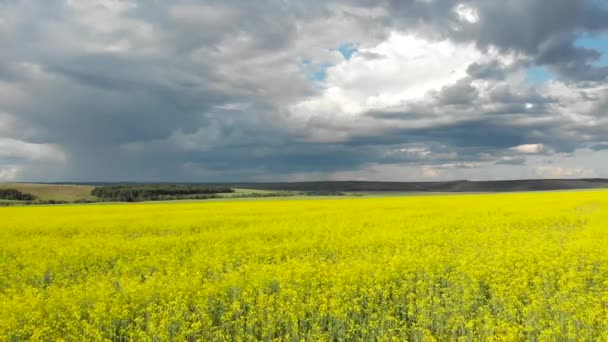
(511, 161)
(545, 30)
(461, 93)
(490, 70)
(599, 147)
(205, 90)
(370, 55)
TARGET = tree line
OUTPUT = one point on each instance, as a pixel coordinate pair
(157, 192)
(15, 195)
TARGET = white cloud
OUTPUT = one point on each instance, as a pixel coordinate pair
(7, 123)
(578, 102)
(212, 17)
(529, 148)
(232, 81)
(467, 13)
(407, 74)
(430, 172)
(564, 172)
(103, 26)
(114, 6)
(12, 148)
(411, 66)
(9, 173)
(420, 151)
(461, 165)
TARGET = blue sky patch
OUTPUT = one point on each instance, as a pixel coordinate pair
(306, 61)
(599, 43)
(539, 75)
(321, 74)
(347, 50)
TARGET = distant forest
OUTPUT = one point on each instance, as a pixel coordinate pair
(15, 195)
(448, 186)
(157, 192)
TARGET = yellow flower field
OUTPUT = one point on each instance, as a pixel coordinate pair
(472, 267)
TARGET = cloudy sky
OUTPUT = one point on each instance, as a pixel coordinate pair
(286, 90)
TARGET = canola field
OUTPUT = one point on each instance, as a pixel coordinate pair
(530, 266)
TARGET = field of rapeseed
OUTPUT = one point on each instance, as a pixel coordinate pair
(475, 267)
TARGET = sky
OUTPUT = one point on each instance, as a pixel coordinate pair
(285, 90)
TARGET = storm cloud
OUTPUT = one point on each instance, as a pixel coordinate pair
(124, 90)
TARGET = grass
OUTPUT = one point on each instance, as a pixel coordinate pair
(518, 266)
(73, 193)
(240, 193)
(56, 192)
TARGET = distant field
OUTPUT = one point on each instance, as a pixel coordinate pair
(72, 193)
(54, 192)
(462, 186)
(509, 267)
(238, 192)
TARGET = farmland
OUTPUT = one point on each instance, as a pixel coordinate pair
(53, 192)
(77, 193)
(521, 266)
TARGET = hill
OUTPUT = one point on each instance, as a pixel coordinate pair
(366, 186)
(82, 192)
(451, 186)
(53, 192)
